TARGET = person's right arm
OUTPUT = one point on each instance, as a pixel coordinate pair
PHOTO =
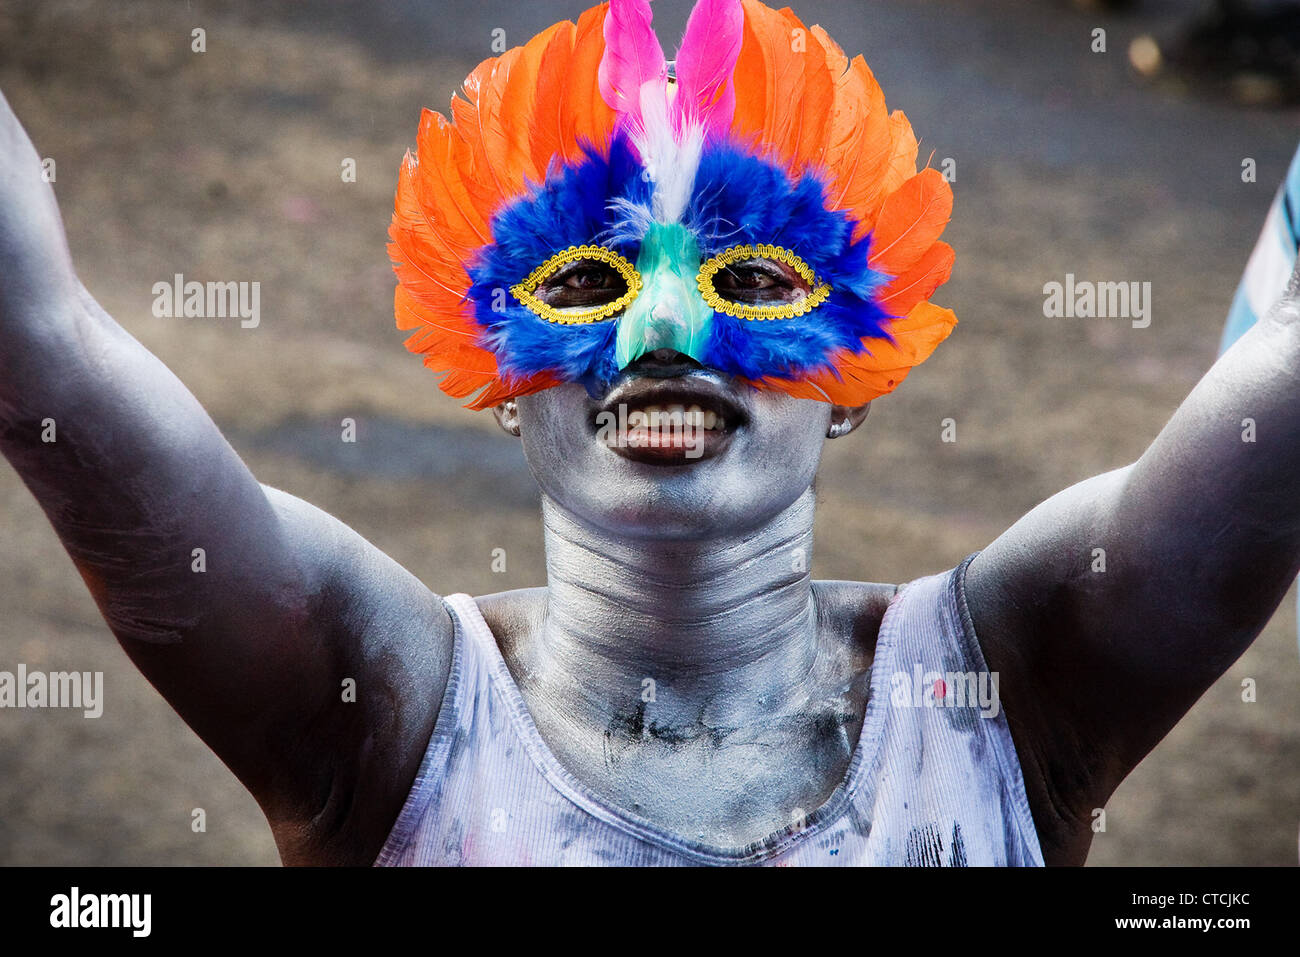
(254, 650)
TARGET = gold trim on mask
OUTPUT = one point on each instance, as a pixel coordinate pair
(525, 290)
(785, 310)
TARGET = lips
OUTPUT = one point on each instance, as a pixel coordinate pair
(669, 421)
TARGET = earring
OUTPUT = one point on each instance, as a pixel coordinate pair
(837, 429)
(511, 413)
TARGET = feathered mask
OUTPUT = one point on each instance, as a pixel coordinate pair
(752, 205)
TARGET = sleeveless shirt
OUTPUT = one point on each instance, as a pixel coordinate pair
(933, 781)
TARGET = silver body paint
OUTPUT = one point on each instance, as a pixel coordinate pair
(681, 574)
(694, 577)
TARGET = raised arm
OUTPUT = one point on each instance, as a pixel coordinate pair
(1201, 539)
(252, 644)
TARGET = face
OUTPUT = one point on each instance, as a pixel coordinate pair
(665, 325)
(739, 241)
(748, 455)
(748, 469)
(740, 267)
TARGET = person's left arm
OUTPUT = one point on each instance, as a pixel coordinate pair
(1201, 539)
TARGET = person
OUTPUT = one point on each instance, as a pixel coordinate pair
(1271, 262)
(672, 286)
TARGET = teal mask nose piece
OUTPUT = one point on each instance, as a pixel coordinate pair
(669, 312)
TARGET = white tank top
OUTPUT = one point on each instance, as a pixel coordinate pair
(934, 779)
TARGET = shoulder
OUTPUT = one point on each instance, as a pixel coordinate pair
(1058, 767)
(386, 642)
(853, 611)
(513, 615)
(930, 609)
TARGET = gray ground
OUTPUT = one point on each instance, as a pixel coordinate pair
(225, 165)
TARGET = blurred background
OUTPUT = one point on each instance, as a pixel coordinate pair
(226, 165)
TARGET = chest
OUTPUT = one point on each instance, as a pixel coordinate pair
(722, 762)
(707, 780)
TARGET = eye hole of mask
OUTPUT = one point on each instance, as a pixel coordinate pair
(760, 282)
(581, 284)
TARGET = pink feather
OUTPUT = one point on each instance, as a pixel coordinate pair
(633, 57)
(705, 63)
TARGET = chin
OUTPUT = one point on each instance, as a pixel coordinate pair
(723, 459)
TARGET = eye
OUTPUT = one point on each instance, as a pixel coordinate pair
(760, 282)
(586, 282)
(579, 285)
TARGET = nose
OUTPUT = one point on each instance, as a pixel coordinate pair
(662, 364)
(668, 314)
(667, 323)
(666, 326)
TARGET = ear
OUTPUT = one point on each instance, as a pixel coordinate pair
(846, 418)
(507, 416)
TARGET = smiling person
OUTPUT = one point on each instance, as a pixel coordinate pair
(673, 282)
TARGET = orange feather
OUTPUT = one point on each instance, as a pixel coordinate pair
(915, 336)
(478, 121)
(861, 145)
(503, 389)
(785, 89)
(805, 104)
(440, 192)
(930, 272)
(515, 114)
(519, 99)
(433, 331)
(547, 133)
(783, 78)
(799, 100)
(420, 256)
(811, 125)
(797, 388)
(750, 79)
(859, 378)
(911, 221)
(868, 376)
(902, 162)
(585, 114)
(836, 60)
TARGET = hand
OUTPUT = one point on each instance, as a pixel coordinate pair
(36, 274)
(1288, 307)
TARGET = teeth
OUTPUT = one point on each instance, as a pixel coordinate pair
(675, 417)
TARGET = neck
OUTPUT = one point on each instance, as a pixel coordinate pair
(724, 627)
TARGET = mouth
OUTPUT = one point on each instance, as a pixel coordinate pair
(669, 421)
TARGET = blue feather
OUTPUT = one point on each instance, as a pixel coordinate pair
(740, 198)
(737, 198)
(570, 209)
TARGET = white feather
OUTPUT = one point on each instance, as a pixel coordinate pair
(671, 159)
(632, 221)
